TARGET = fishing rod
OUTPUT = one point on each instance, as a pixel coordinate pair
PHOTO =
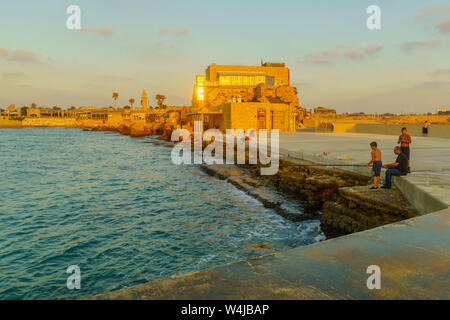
(331, 165)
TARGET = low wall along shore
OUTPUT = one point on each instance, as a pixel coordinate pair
(435, 130)
(343, 197)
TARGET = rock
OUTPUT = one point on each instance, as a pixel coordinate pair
(139, 129)
(124, 129)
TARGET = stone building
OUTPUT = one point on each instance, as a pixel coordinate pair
(246, 97)
(222, 83)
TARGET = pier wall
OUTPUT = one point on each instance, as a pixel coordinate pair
(423, 201)
(435, 130)
(413, 256)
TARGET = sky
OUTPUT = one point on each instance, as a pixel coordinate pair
(127, 46)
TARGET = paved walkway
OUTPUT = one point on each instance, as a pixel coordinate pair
(430, 157)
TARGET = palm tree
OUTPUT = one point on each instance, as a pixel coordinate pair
(23, 111)
(160, 99)
(115, 96)
(131, 101)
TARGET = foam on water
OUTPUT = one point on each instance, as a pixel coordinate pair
(122, 212)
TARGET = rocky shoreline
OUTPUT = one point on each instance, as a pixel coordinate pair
(300, 190)
(341, 199)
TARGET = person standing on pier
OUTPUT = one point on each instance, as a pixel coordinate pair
(398, 168)
(426, 124)
(376, 164)
(405, 140)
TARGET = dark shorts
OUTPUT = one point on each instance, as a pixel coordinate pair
(376, 168)
(405, 151)
(424, 130)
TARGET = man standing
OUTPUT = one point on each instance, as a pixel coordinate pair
(405, 140)
(426, 124)
(398, 168)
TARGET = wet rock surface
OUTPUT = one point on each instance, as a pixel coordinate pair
(343, 197)
(359, 208)
(289, 208)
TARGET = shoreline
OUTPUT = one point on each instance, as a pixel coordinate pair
(349, 196)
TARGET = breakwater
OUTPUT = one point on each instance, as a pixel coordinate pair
(341, 199)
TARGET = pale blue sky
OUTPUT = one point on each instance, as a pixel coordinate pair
(161, 45)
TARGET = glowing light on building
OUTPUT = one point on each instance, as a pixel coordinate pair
(200, 88)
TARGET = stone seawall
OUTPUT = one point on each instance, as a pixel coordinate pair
(6, 123)
(50, 122)
(346, 203)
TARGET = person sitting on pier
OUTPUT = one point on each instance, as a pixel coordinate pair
(376, 164)
(398, 168)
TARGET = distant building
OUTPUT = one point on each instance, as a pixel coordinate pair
(324, 110)
(443, 111)
(222, 83)
(246, 97)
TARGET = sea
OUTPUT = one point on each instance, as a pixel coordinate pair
(119, 210)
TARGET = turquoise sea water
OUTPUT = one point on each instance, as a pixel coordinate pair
(120, 210)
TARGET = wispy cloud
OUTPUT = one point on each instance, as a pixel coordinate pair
(409, 46)
(432, 10)
(354, 54)
(14, 75)
(374, 48)
(443, 26)
(432, 84)
(441, 72)
(102, 31)
(341, 51)
(182, 31)
(436, 16)
(20, 56)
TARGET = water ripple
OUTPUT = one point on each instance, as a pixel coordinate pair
(122, 212)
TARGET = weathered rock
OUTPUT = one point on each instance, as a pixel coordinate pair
(139, 129)
(358, 208)
(124, 129)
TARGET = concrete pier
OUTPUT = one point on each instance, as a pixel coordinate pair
(427, 187)
(413, 256)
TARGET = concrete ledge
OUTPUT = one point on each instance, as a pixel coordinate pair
(423, 201)
(413, 256)
(323, 160)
